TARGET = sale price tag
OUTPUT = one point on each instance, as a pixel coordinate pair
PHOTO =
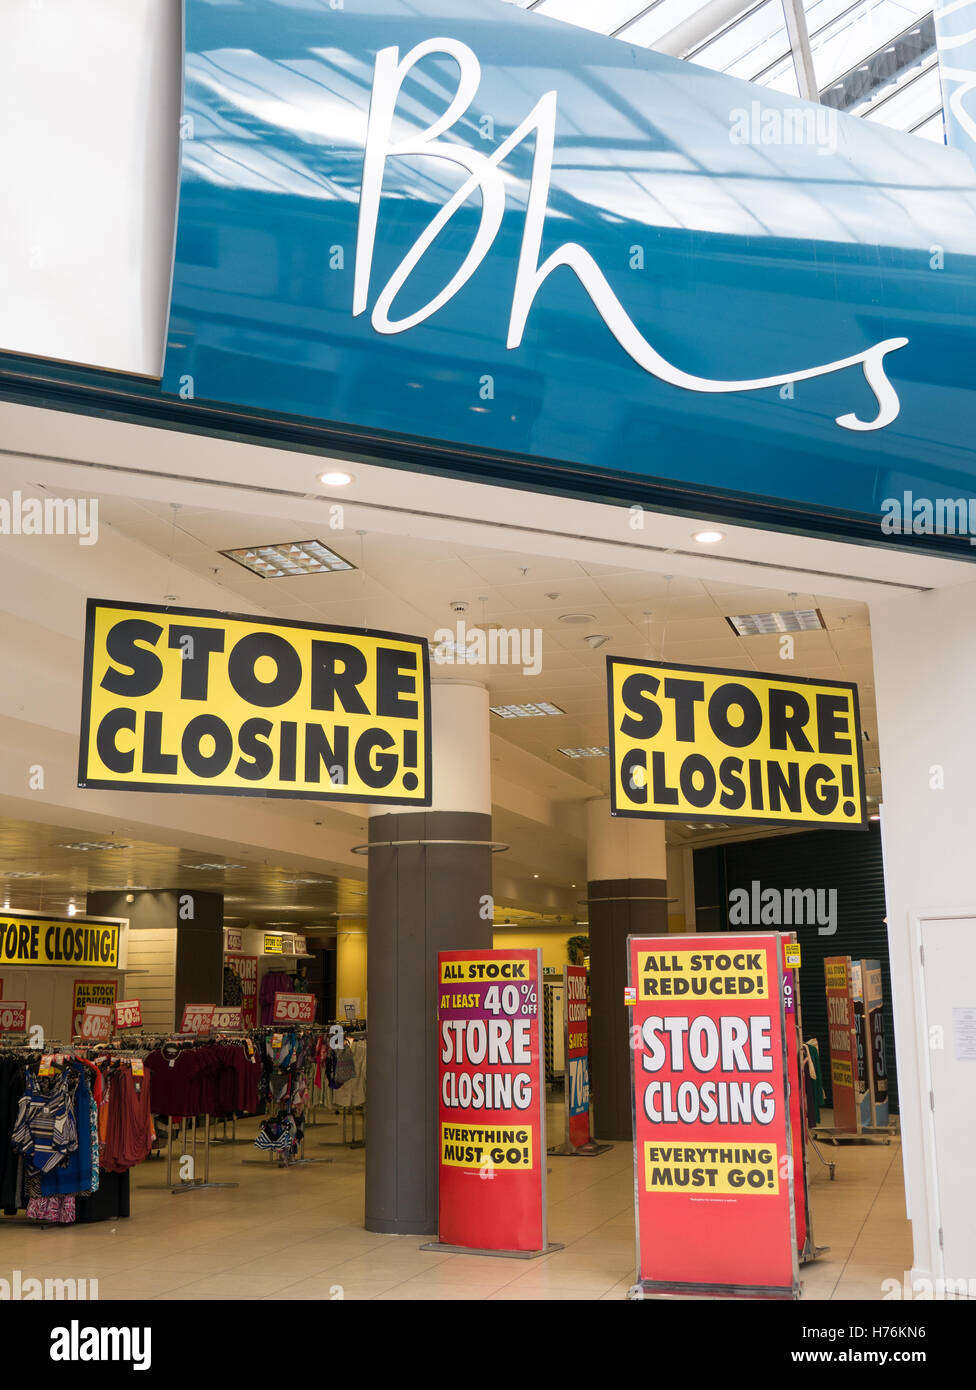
(197, 1018)
(13, 1016)
(294, 1008)
(228, 1019)
(128, 1013)
(96, 1023)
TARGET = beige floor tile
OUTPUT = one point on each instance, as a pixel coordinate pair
(282, 1236)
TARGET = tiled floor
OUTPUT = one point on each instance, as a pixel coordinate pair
(298, 1234)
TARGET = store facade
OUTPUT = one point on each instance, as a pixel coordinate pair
(359, 244)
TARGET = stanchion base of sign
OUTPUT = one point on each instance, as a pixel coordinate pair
(648, 1288)
(852, 1136)
(199, 1186)
(498, 1254)
(813, 1252)
(587, 1150)
(291, 1163)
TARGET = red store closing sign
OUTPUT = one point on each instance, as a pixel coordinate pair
(713, 1162)
(491, 1111)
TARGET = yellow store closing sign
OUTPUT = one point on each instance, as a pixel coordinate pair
(696, 743)
(188, 700)
(31, 941)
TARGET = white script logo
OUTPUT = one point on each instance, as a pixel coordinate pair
(485, 176)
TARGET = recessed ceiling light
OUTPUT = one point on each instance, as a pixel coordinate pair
(577, 617)
(708, 537)
(759, 624)
(534, 711)
(593, 752)
(208, 867)
(93, 844)
(336, 479)
(290, 558)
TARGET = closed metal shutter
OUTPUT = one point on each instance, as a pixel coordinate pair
(821, 859)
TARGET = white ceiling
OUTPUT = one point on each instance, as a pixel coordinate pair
(420, 544)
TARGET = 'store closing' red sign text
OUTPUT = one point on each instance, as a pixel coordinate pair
(491, 1110)
(713, 1162)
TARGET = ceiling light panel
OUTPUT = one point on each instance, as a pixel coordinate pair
(761, 624)
(93, 844)
(542, 707)
(592, 752)
(290, 559)
(208, 868)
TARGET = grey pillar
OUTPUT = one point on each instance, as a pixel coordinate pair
(425, 896)
(618, 908)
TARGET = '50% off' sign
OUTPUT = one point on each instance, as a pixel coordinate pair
(197, 1018)
(294, 1008)
(128, 1013)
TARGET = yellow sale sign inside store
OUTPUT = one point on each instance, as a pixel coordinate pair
(695, 743)
(188, 700)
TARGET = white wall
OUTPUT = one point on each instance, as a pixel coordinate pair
(89, 109)
(925, 680)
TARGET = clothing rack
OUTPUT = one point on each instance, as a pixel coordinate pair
(282, 1160)
(97, 1057)
(352, 1032)
(188, 1123)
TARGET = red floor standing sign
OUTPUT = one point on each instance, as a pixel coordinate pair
(577, 1055)
(492, 1101)
(843, 1043)
(713, 1162)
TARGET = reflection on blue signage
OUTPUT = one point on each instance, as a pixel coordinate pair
(450, 220)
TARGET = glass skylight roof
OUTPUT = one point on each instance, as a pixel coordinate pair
(870, 58)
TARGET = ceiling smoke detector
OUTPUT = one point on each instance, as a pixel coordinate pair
(458, 605)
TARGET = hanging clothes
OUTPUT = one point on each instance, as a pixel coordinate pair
(233, 991)
(129, 1131)
(46, 1129)
(275, 982)
(12, 1081)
